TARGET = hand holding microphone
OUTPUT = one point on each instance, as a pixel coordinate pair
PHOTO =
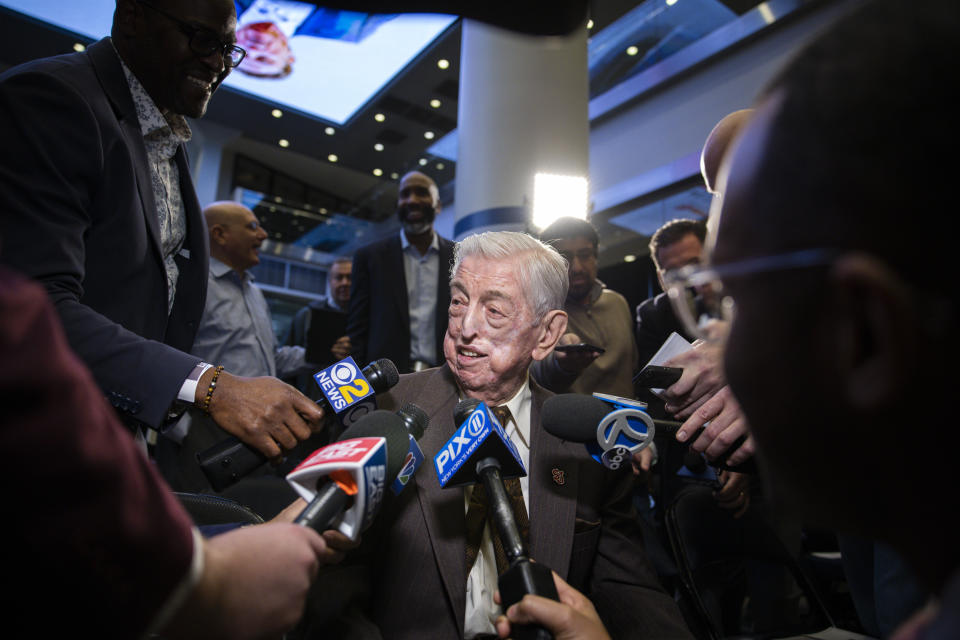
(348, 395)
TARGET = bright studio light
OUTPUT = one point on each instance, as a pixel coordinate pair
(558, 196)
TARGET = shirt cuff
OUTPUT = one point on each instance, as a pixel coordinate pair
(188, 391)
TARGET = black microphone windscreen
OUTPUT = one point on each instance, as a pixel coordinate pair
(383, 374)
(415, 419)
(463, 410)
(383, 424)
(573, 416)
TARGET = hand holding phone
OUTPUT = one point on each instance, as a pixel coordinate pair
(580, 347)
(656, 377)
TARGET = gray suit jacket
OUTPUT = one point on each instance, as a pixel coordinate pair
(582, 525)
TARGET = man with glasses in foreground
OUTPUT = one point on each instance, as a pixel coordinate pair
(842, 349)
(97, 204)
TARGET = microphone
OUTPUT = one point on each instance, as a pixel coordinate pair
(347, 394)
(613, 428)
(415, 420)
(481, 452)
(344, 481)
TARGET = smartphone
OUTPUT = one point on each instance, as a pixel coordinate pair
(580, 347)
(656, 377)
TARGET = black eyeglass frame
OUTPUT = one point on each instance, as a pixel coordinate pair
(232, 54)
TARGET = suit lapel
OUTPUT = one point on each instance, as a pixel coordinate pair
(396, 279)
(114, 83)
(553, 488)
(443, 509)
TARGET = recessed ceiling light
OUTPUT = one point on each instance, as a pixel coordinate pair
(277, 199)
(323, 209)
(435, 103)
(394, 175)
(283, 142)
(423, 162)
(276, 113)
(590, 24)
(629, 258)
(378, 146)
(428, 135)
(332, 157)
(329, 131)
(379, 117)
(440, 166)
(632, 50)
(443, 63)
(378, 172)
(78, 47)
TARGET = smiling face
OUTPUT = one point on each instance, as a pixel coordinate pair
(235, 235)
(157, 50)
(417, 203)
(491, 337)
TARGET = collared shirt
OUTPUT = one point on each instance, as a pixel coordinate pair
(163, 135)
(482, 580)
(423, 275)
(236, 330)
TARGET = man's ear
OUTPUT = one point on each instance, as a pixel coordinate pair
(126, 17)
(217, 233)
(552, 326)
(874, 327)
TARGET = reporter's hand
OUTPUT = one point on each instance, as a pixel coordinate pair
(254, 583)
(337, 543)
(577, 361)
(726, 424)
(734, 493)
(264, 412)
(642, 461)
(341, 348)
(573, 618)
(702, 377)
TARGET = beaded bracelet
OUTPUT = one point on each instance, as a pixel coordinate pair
(213, 385)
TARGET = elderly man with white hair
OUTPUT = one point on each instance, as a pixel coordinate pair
(506, 310)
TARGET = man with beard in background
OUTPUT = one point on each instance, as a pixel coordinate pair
(401, 285)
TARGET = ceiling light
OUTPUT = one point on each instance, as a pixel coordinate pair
(558, 196)
(379, 117)
(78, 47)
(323, 209)
(428, 135)
(423, 162)
(378, 172)
(283, 142)
(440, 166)
(590, 24)
(378, 146)
(394, 175)
(443, 63)
(435, 103)
(332, 157)
(670, 3)
(629, 258)
(276, 113)
(329, 131)
(632, 50)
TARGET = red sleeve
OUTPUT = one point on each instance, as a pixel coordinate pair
(96, 540)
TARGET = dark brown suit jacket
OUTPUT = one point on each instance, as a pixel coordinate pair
(583, 527)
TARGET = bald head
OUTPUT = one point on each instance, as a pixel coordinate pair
(235, 234)
(418, 203)
(717, 144)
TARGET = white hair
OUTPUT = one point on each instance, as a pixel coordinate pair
(541, 270)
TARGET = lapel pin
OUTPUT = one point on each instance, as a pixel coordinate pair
(559, 476)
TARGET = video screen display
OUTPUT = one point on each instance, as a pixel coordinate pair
(323, 62)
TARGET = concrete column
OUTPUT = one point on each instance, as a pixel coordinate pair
(522, 111)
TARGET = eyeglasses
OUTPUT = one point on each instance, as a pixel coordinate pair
(204, 42)
(698, 296)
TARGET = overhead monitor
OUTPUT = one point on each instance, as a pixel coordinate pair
(326, 63)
